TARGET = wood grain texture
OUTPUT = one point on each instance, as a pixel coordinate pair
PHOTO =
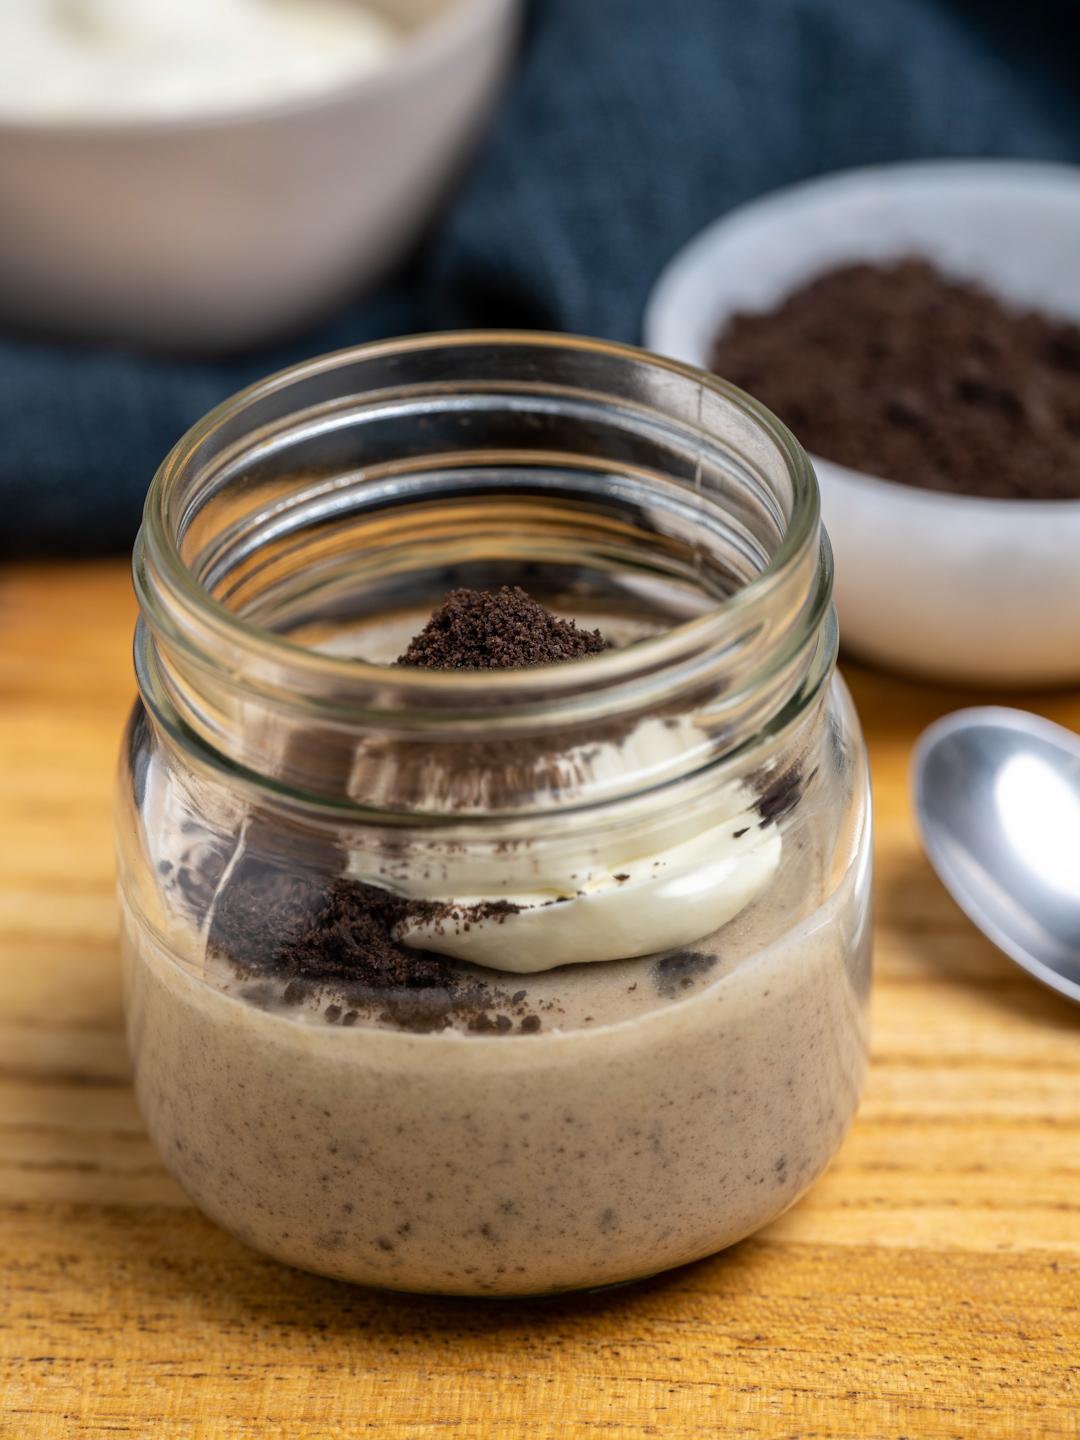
(928, 1287)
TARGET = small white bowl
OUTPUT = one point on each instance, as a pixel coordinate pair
(957, 588)
(217, 230)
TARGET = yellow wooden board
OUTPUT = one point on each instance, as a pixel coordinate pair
(928, 1287)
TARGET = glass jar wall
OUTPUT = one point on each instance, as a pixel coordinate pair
(503, 981)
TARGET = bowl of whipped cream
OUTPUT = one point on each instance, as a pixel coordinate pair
(206, 174)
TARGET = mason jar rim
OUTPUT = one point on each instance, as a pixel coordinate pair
(175, 585)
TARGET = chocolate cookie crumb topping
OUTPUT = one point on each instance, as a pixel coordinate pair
(270, 922)
(902, 372)
(337, 939)
(502, 629)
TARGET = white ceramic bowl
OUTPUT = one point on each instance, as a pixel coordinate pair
(958, 588)
(221, 230)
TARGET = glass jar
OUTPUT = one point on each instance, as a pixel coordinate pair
(625, 899)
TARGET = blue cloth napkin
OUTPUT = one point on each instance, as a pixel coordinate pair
(628, 126)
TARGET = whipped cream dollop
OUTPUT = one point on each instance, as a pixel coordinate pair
(610, 910)
(645, 886)
(95, 59)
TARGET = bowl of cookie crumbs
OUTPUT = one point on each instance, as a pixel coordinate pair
(918, 328)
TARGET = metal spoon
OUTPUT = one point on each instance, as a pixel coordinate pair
(997, 799)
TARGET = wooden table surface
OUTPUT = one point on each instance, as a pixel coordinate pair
(928, 1287)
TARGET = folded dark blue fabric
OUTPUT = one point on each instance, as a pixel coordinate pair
(628, 126)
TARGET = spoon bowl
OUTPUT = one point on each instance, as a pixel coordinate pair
(997, 800)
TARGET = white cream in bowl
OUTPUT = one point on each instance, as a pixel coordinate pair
(109, 59)
(209, 174)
